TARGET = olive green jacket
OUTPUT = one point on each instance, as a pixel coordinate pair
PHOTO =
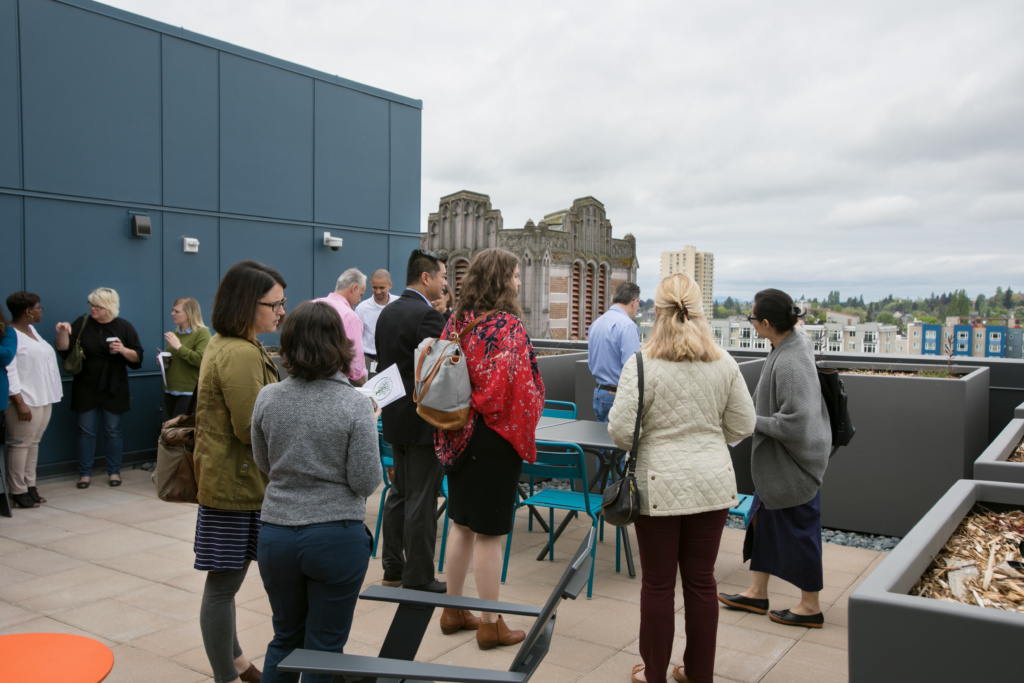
(232, 374)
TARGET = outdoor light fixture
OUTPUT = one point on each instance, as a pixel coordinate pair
(141, 225)
(191, 245)
(333, 242)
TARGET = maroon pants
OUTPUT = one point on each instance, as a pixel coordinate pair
(689, 542)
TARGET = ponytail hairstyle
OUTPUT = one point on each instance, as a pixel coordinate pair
(777, 307)
(681, 332)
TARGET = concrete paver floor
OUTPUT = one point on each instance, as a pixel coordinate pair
(115, 564)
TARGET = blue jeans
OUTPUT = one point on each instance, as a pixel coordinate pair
(312, 575)
(603, 400)
(88, 426)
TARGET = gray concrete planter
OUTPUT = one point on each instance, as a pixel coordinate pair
(916, 436)
(894, 636)
(991, 465)
(1018, 412)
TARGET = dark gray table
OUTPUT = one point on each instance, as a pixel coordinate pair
(592, 437)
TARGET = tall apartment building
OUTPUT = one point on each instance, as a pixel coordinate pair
(700, 265)
(569, 263)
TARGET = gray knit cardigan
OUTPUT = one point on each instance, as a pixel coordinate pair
(318, 442)
(792, 438)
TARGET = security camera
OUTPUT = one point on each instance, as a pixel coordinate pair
(333, 242)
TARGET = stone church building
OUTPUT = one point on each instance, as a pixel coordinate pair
(570, 264)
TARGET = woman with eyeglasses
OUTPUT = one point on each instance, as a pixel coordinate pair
(100, 390)
(34, 388)
(249, 302)
(788, 458)
(186, 344)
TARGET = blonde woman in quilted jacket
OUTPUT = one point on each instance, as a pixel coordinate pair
(695, 403)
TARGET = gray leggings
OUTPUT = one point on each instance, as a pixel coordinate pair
(217, 622)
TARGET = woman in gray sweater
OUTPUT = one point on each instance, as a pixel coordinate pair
(788, 457)
(316, 437)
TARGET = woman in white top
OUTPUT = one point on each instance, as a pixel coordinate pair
(34, 380)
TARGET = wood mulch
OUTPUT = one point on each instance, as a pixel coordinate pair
(1018, 453)
(902, 373)
(973, 568)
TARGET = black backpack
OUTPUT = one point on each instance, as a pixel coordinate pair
(837, 404)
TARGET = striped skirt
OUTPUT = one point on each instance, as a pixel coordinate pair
(225, 539)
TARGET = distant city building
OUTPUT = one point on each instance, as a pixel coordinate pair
(836, 336)
(570, 264)
(700, 265)
(995, 338)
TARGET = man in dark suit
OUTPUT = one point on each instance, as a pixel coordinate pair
(410, 515)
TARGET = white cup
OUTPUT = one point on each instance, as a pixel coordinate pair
(111, 340)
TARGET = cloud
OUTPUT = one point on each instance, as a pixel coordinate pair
(877, 212)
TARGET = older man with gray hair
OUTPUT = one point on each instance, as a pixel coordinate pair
(346, 295)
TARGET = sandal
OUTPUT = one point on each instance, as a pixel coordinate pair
(34, 495)
(115, 482)
(23, 500)
(83, 483)
(632, 674)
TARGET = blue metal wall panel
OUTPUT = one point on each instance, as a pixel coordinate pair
(11, 238)
(194, 275)
(10, 100)
(366, 251)
(405, 168)
(91, 104)
(286, 248)
(995, 347)
(351, 158)
(190, 125)
(938, 340)
(399, 249)
(266, 123)
(960, 344)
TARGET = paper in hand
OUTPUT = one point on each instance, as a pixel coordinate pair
(385, 387)
(160, 355)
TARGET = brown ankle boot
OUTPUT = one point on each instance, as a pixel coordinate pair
(453, 620)
(489, 635)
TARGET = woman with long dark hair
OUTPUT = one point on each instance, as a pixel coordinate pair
(788, 458)
(695, 403)
(316, 438)
(484, 459)
(249, 302)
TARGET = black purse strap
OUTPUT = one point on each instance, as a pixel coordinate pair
(631, 464)
(85, 321)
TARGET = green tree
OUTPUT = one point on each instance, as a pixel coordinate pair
(928, 319)
(1008, 299)
(886, 318)
(959, 304)
(729, 304)
(979, 304)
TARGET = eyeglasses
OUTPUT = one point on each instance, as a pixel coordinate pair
(751, 318)
(275, 306)
(92, 305)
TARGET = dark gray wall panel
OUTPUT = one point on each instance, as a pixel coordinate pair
(351, 157)
(91, 104)
(266, 122)
(366, 251)
(286, 248)
(194, 275)
(11, 239)
(191, 120)
(399, 249)
(10, 100)
(405, 168)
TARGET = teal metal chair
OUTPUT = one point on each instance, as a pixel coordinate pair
(562, 461)
(386, 461)
(444, 530)
(559, 409)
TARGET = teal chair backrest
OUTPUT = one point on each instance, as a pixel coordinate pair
(561, 461)
(559, 409)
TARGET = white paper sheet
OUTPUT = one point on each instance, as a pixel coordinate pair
(160, 355)
(385, 387)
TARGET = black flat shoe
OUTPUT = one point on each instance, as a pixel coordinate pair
(23, 500)
(434, 586)
(34, 495)
(784, 616)
(82, 484)
(114, 482)
(743, 603)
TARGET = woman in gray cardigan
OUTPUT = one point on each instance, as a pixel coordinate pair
(316, 437)
(788, 457)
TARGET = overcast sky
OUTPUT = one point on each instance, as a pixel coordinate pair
(873, 147)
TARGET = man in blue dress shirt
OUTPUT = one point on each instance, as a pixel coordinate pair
(612, 339)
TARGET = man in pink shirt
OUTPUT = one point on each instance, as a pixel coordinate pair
(343, 299)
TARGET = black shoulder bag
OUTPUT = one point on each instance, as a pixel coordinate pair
(75, 357)
(620, 504)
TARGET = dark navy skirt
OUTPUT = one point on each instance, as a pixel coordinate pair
(225, 539)
(786, 543)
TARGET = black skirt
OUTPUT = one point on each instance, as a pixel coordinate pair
(786, 543)
(482, 493)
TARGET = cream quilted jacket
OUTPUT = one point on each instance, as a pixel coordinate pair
(692, 410)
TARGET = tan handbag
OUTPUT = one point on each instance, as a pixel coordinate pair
(175, 473)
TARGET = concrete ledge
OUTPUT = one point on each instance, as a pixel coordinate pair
(991, 465)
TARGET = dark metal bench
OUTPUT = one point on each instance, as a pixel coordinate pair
(415, 613)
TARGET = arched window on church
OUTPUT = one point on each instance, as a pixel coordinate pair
(456, 276)
(589, 305)
(602, 290)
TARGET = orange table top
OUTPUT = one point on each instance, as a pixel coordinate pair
(46, 657)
